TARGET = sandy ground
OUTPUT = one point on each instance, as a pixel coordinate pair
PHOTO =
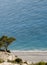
(32, 56)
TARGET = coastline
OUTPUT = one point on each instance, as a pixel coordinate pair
(31, 56)
(28, 50)
(26, 56)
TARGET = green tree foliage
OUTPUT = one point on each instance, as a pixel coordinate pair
(1, 44)
(5, 41)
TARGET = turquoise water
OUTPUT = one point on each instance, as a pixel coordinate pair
(26, 20)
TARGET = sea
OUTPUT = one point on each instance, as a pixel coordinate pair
(25, 20)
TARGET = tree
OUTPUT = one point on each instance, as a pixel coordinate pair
(8, 42)
(3, 38)
(5, 41)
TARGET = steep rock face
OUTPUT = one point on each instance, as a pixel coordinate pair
(7, 56)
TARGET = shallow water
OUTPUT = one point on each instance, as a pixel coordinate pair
(26, 20)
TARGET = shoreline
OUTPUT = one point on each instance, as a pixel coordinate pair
(28, 50)
(31, 56)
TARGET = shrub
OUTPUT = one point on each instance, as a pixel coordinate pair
(1, 61)
(45, 63)
(8, 51)
(18, 60)
(25, 62)
(41, 63)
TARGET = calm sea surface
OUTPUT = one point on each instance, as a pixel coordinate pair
(26, 20)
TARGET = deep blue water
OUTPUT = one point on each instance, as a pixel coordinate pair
(26, 20)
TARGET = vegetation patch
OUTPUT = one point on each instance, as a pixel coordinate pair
(1, 61)
(39, 63)
(18, 60)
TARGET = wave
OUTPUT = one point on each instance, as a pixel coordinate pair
(36, 50)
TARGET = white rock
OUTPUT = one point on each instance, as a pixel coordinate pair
(16, 64)
(6, 63)
(24, 64)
